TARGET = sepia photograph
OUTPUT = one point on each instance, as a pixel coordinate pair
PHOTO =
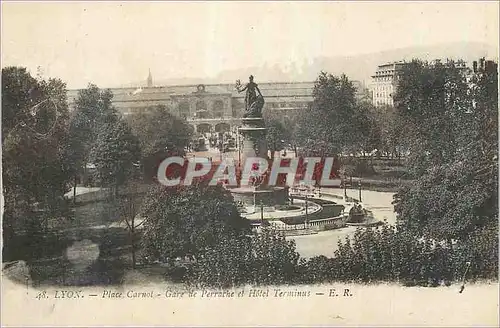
(246, 163)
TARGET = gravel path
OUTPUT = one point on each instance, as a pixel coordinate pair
(325, 243)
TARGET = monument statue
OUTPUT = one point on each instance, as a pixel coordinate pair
(253, 144)
(253, 102)
(256, 180)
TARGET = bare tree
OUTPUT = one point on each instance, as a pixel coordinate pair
(129, 207)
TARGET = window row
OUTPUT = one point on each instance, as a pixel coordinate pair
(218, 106)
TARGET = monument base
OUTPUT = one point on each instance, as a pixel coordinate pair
(253, 134)
(267, 197)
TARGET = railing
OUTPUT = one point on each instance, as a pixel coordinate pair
(288, 227)
(322, 222)
(339, 220)
(218, 119)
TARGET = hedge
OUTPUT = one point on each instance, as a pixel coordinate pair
(382, 254)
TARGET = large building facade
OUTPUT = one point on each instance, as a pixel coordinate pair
(212, 107)
(386, 79)
(384, 83)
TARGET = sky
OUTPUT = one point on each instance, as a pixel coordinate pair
(115, 43)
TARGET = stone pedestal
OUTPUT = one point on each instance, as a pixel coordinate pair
(253, 138)
(253, 144)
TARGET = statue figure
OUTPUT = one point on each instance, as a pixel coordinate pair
(257, 180)
(253, 102)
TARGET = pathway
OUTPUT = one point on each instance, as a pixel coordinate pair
(325, 243)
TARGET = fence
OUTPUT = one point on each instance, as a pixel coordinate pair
(320, 224)
(330, 221)
(286, 227)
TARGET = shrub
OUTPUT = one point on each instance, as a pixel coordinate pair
(266, 259)
(383, 254)
(358, 167)
(186, 220)
(387, 254)
(224, 264)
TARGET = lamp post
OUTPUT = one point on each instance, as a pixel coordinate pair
(345, 186)
(261, 213)
(254, 202)
(238, 145)
(307, 218)
(359, 183)
(220, 145)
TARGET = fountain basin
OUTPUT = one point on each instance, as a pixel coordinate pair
(271, 213)
(289, 208)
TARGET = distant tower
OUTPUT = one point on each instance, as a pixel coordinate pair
(150, 79)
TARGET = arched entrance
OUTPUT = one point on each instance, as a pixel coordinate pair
(222, 127)
(218, 108)
(203, 128)
(201, 110)
(184, 109)
(201, 105)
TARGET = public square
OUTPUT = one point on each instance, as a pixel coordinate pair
(250, 163)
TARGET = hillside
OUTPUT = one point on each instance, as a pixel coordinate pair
(358, 67)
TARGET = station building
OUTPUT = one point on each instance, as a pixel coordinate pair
(210, 107)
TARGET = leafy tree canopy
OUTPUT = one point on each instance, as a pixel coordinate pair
(35, 169)
(454, 153)
(334, 117)
(184, 221)
(116, 154)
(277, 135)
(157, 130)
(93, 112)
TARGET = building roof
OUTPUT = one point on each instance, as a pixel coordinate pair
(272, 91)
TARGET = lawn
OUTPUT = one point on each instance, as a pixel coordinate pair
(45, 251)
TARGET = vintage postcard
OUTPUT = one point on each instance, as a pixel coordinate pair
(249, 163)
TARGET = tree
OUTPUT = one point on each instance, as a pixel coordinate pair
(185, 220)
(93, 108)
(128, 207)
(394, 132)
(433, 99)
(456, 191)
(277, 136)
(447, 202)
(291, 123)
(34, 148)
(116, 154)
(365, 122)
(335, 118)
(160, 133)
(260, 259)
(275, 259)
